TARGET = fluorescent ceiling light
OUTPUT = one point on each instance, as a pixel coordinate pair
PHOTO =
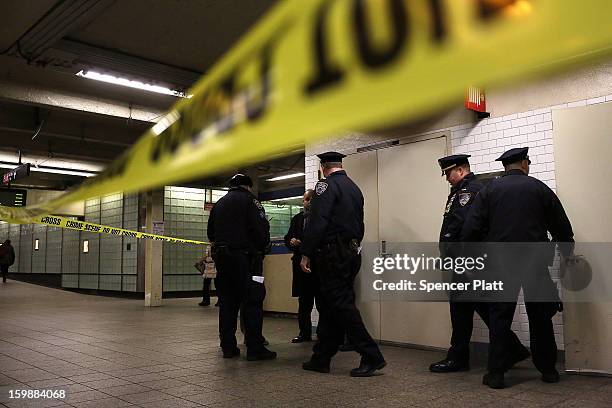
(287, 198)
(129, 83)
(286, 176)
(81, 173)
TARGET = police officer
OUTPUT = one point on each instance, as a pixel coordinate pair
(464, 188)
(516, 208)
(332, 239)
(240, 234)
(304, 285)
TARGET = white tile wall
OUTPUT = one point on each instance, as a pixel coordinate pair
(485, 141)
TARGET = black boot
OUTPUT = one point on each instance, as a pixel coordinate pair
(366, 369)
(263, 354)
(231, 353)
(318, 367)
(448, 366)
(551, 376)
(300, 338)
(494, 380)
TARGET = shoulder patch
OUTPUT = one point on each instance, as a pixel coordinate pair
(321, 187)
(257, 204)
(464, 198)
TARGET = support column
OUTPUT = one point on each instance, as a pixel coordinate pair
(153, 250)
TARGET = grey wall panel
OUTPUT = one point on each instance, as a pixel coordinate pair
(70, 252)
(111, 214)
(15, 237)
(25, 249)
(4, 231)
(39, 232)
(184, 217)
(54, 250)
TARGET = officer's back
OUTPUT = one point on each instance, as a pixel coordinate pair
(238, 221)
(337, 212)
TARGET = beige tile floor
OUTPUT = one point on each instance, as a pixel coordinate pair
(108, 352)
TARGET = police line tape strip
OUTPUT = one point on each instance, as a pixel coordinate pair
(62, 222)
(318, 68)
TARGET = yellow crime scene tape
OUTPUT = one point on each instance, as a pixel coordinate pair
(317, 68)
(62, 222)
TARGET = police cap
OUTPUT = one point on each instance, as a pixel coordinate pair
(240, 180)
(514, 155)
(451, 161)
(331, 157)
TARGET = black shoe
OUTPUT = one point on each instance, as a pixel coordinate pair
(494, 380)
(204, 303)
(231, 353)
(551, 376)
(367, 369)
(522, 354)
(264, 354)
(319, 368)
(301, 339)
(346, 347)
(448, 366)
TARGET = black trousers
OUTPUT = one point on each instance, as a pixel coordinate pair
(541, 334)
(462, 319)
(236, 288)
(305, 305)
(4, 270)
(337, 269)
(206, 289)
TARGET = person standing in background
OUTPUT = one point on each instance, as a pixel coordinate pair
(304, 285)
(7, 258)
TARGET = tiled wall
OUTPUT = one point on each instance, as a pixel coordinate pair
(53, 263)
(485, 141)
(89, 268)
(108, 265)
(280, 217)
(185, 217)
(70, 258)
(39, 232)
(25, 249)
(129, 251)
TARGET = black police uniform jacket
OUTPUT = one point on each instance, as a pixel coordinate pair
(303, 283)
(457, 207)
(517, 208)
(239, 221)
(336, 211)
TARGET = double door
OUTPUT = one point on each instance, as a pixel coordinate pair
(404, 201)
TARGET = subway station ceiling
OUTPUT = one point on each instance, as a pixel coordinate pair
(52, 116)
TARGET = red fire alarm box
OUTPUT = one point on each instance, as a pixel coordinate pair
(475, 99)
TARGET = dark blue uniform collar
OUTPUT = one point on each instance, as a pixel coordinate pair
(465, 181)
(514, 172)
(337, 173)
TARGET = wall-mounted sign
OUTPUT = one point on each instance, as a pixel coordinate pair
(17, 173)
(12, 197)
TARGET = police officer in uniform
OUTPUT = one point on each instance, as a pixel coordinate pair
(304, 285)
(240, 234)
(516, 208)
(332, 240)
(464, 188)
